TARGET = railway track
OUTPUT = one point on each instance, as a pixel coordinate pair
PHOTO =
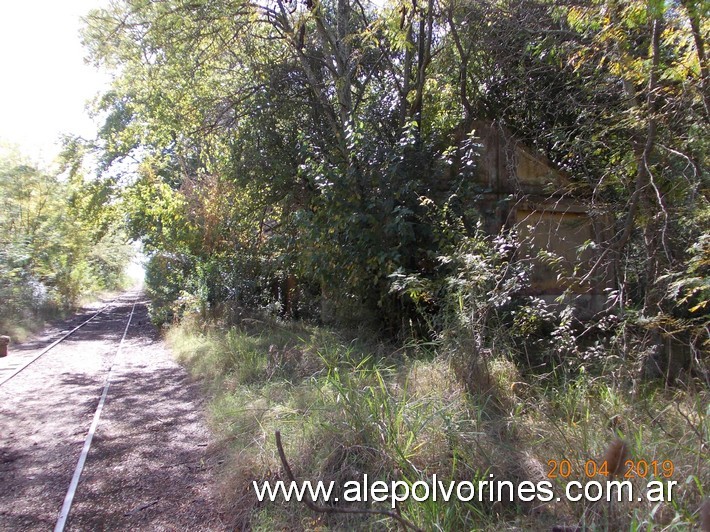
(19, 361)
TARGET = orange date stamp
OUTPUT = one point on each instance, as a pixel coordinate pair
(594, 468)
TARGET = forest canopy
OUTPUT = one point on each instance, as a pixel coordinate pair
(333, 142)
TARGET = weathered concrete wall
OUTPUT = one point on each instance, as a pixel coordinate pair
(522, 191)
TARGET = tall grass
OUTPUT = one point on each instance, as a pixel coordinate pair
(348, 407)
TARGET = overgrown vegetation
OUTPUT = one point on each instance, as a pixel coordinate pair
(321, 160)
(335, 144)
(347, 407)
(59, 243)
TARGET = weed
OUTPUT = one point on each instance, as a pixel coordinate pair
(348, 407)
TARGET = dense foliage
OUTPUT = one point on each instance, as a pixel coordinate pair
(60, 241)
(331, 142)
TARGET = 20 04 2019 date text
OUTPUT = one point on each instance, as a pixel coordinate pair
(632, 468)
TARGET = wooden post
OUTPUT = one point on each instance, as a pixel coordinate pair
(4, 341)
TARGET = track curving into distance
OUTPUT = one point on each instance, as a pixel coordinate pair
(136, 455)
(105, 354)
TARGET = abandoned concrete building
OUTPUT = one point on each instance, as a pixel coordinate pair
(520, 190)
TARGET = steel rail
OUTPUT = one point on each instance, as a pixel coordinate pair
(53, 345)
(69, 497)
